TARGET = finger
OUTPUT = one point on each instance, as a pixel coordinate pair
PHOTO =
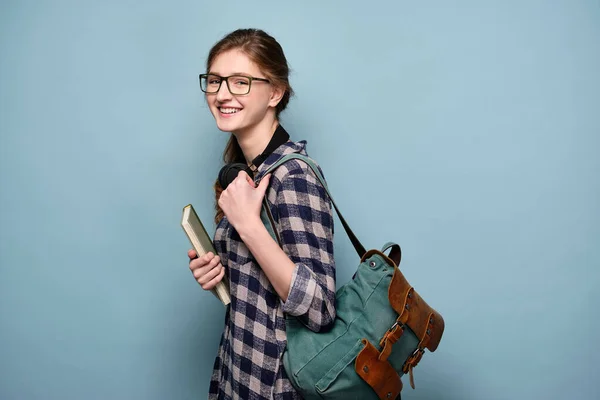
(205, 275)
(213, 282)
(196, 263)
(213, 262)
(207, 257)
(210, 275)
(201, 261)
(250, 180)
(264, 183)
(204, 269)
(242, 175)
(192, 254)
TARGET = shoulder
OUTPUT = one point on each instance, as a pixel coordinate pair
(297, 168)
(294, 174)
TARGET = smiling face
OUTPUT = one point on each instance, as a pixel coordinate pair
(241, 114)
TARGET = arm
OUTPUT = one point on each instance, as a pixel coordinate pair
(303, 273)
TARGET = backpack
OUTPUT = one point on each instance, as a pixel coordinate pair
(380, 333)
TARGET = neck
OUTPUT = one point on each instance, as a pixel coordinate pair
(253, 140)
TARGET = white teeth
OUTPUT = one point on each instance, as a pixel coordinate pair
(228, 110)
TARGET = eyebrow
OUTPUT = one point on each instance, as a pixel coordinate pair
(235, 73)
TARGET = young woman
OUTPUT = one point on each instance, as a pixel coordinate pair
(246, 87)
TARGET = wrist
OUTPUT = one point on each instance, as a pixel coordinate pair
(249, 228)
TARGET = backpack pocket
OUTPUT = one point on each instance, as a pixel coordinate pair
(337, 383)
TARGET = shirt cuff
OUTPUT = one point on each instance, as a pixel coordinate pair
(302, 291)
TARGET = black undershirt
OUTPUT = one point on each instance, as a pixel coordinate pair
(280, 136)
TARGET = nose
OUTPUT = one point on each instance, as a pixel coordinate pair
(223, 94)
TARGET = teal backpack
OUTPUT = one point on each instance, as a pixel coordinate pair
(380, 333)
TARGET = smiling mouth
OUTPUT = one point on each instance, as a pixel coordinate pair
(227, 110)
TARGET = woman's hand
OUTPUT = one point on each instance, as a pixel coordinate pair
(207, 269)
(241, 201)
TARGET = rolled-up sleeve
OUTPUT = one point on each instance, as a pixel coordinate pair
(306, 231)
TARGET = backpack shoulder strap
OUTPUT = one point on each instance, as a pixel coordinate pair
(355, 242)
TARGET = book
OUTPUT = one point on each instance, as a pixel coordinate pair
(202, 243)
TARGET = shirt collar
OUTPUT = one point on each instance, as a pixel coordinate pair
(279, 137)
(283, 149)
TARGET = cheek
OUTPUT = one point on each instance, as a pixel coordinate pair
(211, 102)
(211, 106)
(257, 101)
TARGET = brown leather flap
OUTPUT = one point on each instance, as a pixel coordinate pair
(380, 375)
(425, 322)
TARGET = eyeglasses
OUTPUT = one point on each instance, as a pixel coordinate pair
(237, 84)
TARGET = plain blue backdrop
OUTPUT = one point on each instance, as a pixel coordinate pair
(466, 131)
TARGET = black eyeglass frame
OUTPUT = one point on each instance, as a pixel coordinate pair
(226, 79)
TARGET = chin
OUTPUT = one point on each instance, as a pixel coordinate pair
(232, 125)
(227, 126)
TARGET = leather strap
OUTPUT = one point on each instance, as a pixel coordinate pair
(388, 340)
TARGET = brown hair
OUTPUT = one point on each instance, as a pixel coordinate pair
(268, 55)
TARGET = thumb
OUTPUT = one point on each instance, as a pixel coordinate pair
(250, 180)
(264, 183)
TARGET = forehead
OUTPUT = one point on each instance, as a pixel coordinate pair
(234, 61)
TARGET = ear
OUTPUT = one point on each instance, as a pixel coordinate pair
(276, 96)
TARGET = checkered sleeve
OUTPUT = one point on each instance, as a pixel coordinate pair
(306, 231)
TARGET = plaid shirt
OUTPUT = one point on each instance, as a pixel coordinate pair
(249, 361)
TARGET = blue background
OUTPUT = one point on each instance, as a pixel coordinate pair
(466, 132)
